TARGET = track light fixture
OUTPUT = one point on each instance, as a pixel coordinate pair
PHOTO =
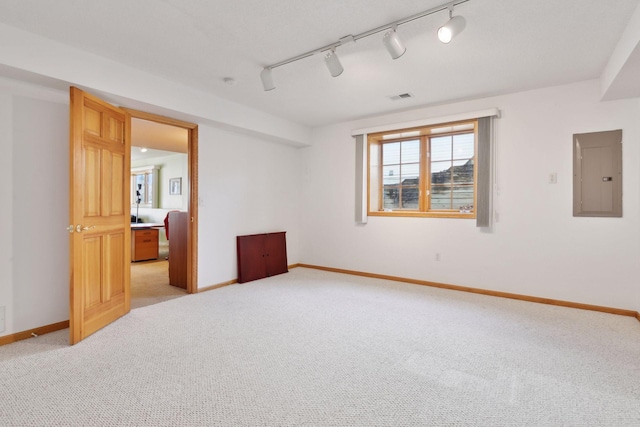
(391, 41)
(453, 27)
(393, 44)
(333, 63)
(267, 79)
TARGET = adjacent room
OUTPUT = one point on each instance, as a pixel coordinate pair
(159, 170)
(347, 213)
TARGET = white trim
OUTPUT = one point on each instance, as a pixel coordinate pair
(490, 112)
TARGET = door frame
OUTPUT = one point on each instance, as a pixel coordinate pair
(192, 157)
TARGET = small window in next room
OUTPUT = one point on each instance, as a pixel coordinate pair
(428, 171)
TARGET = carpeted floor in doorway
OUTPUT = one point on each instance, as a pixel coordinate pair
(150, 283)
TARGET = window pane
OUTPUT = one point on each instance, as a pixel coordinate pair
(391, 153)
(410, 151)
(149, 188)
(401, 175)
(410, 174)
(440, 148)
(441, 197)
(452, 163)
(463, 172)
(391, 175)
(140, 188)
(463, 196)
(463, 146)
(390, 197)
(410, 196)
(440, 172)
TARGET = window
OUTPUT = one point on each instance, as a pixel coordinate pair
(428, 171)
(144, 186)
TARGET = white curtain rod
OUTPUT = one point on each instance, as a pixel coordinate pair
(490, 112)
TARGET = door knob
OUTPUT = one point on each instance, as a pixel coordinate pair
(80, 228)
(70, 228)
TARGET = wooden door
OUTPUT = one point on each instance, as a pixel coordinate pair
(100, 161)
(276, 253)
(251, 263)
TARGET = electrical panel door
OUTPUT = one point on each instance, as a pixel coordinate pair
(597, 174)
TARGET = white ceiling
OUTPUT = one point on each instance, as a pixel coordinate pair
(157, 138)
(507, 46)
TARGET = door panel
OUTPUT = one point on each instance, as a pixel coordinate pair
(91, 254)
(115, 253)
(276, 250)
(92, 182)
(251, 254)
(596, 194)
(597, 178)
(99, 194)
(118, 173)
(92, 120)
(116, 130)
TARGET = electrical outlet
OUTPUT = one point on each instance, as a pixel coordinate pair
(437, 256)
(2, 315)
(553, 178)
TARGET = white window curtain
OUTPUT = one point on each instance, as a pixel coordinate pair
(361, 179)
(483, 185)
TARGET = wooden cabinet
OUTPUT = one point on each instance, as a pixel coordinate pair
(261, 255)
(178, 223)
(144, 244)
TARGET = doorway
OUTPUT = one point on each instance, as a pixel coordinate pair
(164, 151)
(99, 250)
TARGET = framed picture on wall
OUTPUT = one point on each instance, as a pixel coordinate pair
(175, 186)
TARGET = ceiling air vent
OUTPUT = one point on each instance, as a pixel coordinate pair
(401, 96)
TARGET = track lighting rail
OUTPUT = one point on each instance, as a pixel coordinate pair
(330, 48)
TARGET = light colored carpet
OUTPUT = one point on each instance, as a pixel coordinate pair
(150, 283)
(312, 348)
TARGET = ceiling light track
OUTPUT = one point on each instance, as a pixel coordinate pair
(391, 41)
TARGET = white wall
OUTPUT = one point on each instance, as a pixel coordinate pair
(174, 166)
(536, 248)
(6, 214)
(34, 246)
(246, 186)
(143, 91)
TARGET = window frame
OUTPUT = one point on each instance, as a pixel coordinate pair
(423, 133)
